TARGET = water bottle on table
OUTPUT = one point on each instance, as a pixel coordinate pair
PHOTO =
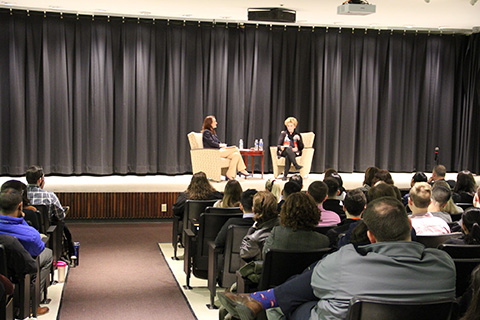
(260, 145)
(240, 144)
(256, 144)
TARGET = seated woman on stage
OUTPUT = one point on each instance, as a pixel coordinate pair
(231, 195)
(210, 140)
(198, 189)
(290, 145)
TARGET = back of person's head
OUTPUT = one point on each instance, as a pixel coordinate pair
(465, 182)
(199, 187)
(207, 123)
(33, 174)
(232, 194)
(20, 187)
(383, 175)
(264, 206)
(473, 311)
(332, 185)
(298, 179)
(381, 190)
(355, 201)
(471, 224)
(289, 188)
(329, 172)
(300, 212)
(387, 220)
(247, 199)
(441, 194)
(339, 179)
(440, 171)
(419, 177)
(318, 190)
(421, 194)
(274, 187)
(369, 175)
(9, 200)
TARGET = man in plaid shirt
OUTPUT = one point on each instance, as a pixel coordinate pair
(36, 194)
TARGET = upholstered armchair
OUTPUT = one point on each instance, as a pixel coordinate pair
(206, 160)
(304, 160)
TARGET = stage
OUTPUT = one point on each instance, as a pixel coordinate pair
(152, 196)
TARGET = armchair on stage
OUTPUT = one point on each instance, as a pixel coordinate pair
(304, 160)
(206, 160)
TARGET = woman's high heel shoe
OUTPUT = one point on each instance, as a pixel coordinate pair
(245, 175)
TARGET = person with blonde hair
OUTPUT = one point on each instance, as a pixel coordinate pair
(210, 140)
(231, 195)
(290, 145)
(274, 188)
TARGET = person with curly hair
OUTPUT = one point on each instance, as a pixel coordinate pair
(298, 217)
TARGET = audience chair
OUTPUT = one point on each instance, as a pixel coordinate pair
(223, 210)
(304, 160)
(54, 231)
(231, 261)
(433, 241)
(32, 217)
(456, 216)
(464, 206)
(323, 229)
(279, 265)
(378, 309)
(6, 307)
(193, 209)
(466, 258)
(206, 159)
(196, 245)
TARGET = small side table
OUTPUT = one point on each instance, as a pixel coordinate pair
(252, 153)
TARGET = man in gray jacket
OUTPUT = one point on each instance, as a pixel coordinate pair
(391, 267)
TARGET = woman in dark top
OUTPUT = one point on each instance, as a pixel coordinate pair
(290, 145)
(198, 189)
(470, 228)
(465, 188)
(210, 140)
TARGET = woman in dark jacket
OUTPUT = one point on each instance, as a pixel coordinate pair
(290, 145)
(210, 140)
(470, 228)
(465, 188)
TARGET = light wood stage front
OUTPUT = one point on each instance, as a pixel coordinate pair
(142, 197)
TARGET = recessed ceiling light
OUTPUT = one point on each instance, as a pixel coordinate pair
(146, 13)
(54, 7)
(100, 10)
(6, 3)
(187, 15)
(226, 17)
(409, 26)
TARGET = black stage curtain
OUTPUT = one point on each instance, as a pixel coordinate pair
(98, 95)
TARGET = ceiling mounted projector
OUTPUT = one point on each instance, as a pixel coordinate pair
(271, 14)
(356, 7)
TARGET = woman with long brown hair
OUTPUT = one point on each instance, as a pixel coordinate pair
(210, 140)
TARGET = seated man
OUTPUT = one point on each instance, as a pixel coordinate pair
(334, 202)
(440, 196)
(37, 195)
(423, 221)
(246, 204)
(289, 188)
(12, 223)
(392, 267)
(320, 193)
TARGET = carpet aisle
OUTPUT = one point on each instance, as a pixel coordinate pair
(122, 275)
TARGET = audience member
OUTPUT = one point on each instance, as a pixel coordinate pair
(334, 174)
(289, 188)
(13, 224)
(473, 311)
(246, 204)
(465, 188)
(298, 179)
(470, 228)
(265, 217)
(198, 189)
(298, 217)
(333, 203)
(423, 221)
(391, 267)
(381, 190)
(319, 192)
(417, 177)
(274, 188)
(231, 195)
(385, 176)
(22, 188)
(438, 174)
(440, 197)
(450, 207)
(354, 205)
(368, 179)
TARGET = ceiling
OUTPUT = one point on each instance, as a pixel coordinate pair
(438, 15)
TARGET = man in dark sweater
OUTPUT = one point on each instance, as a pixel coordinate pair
(246, 204)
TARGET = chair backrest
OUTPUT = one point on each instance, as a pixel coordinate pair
(464, 206)
(44, 217)
(193, 209)
(209, 226)
(223, 210)
(323, 229)
(308, 138)
(433, 241)
(196, 140)
(456, 216)
(233, 261)
(466, 258)
(373, 309)
(33, 218)
(3, 261)
(279, 265)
